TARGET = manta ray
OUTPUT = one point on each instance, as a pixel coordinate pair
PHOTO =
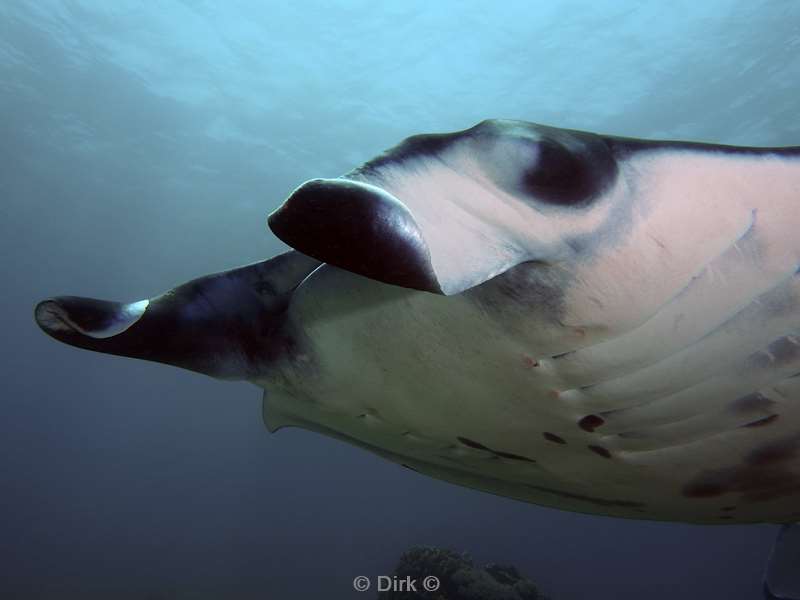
(588, 322)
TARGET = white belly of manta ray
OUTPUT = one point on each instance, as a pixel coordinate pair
(591, 323)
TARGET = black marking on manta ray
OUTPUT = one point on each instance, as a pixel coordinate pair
(765, 474)
(591, 422)
(595, 500)
(478, 446)
(600, 450)
(552, 437)
(512, 456)
(761, 422)
(781, 300)
(753, 402)
(472, 444)
(571, 168)
(781, 352)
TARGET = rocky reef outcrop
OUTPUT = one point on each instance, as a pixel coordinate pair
(458, 578)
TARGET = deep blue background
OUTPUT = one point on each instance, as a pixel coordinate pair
(143, 144)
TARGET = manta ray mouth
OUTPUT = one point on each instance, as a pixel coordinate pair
(67, 316)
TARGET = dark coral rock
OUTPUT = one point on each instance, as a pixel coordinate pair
(458, 577)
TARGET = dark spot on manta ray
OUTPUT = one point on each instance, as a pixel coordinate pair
(600, 450)
(591, 422)
(762, 422)
(785, 350)
(703, 490)
(764, 475)
(605, 502)
(497, 453)
(569, 169)
(775, 452)
(779, 353)
(513, 456)
(753, 402)
(552, 437)
(472, 443)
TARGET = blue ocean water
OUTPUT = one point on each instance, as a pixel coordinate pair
(143, 144)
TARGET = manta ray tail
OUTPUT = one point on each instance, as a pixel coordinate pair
(226, 325)
(782, 578)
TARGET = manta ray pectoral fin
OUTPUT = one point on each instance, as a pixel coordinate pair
(225, 325)
(782, 578)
